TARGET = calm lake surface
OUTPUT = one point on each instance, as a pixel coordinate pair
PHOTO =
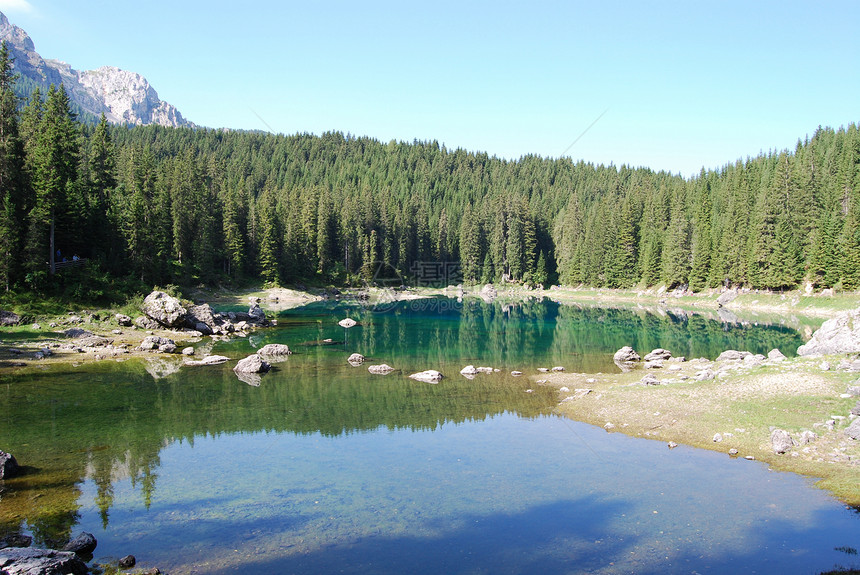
(320, 467)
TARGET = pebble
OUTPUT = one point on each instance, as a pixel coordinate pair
(749, 457)
(672, 445)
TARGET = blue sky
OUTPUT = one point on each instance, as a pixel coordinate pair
(682, 84)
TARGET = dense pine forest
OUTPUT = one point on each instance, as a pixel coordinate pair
(158, 205)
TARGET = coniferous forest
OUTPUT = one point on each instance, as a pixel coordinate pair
(184, 206)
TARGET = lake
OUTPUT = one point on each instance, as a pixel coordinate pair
(321, 467)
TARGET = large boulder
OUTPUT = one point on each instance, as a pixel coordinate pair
(165, 309)
(31, 561)
(123, 320)
(658, 354)
(838, 335)
(256, 314)
(202, 318)
(781, 441)
(626, 354)
(853, 430)
(8, 318)
(8, 466)
(252, 364)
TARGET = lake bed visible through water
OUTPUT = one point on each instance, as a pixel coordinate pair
(326, 468)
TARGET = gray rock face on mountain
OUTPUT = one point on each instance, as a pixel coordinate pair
(123, 97)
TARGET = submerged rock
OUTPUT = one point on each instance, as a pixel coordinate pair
(208, 360)
(383, 369)
(428, 376)
(469, 370)
(347, 323)
(355, 359)
(33, 561)
(275, 349)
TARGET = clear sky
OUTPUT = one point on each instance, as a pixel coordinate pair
(683, 84)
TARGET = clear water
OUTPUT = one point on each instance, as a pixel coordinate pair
(324, 468)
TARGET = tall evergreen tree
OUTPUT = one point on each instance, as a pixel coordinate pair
(11, 174)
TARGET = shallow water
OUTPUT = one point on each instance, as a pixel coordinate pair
(324, 468)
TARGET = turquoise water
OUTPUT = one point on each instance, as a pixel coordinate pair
(325, 468)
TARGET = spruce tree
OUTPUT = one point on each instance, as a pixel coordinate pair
(11, 174)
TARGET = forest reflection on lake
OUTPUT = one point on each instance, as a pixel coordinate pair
(327, 468)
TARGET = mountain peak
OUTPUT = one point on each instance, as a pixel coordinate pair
(123, 97)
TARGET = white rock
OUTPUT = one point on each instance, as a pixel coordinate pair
(469, 370)
(347, 322)
(382, 369)
(428, 376)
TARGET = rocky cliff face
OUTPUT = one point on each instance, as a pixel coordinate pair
(123, 97)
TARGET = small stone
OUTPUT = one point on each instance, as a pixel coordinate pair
(188, 351)
(516, 373)
(274, 349)
(543, 369)
(564, 389)
(775, 355)
(428, 376)
(355, 359)
(558, 369)
(733, 451)
(609, 426)
(650, 379)
(127, 562)
(718, 437)
(672, 445)
(824, 366)
(37, 327)
(347, 323)
(383, 369)
(469, 370)
(749, 457)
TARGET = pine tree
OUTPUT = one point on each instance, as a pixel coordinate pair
(52, 158)
(701, 246)
(11, 174)
(676, 250)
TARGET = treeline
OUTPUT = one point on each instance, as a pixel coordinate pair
(164, 205)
